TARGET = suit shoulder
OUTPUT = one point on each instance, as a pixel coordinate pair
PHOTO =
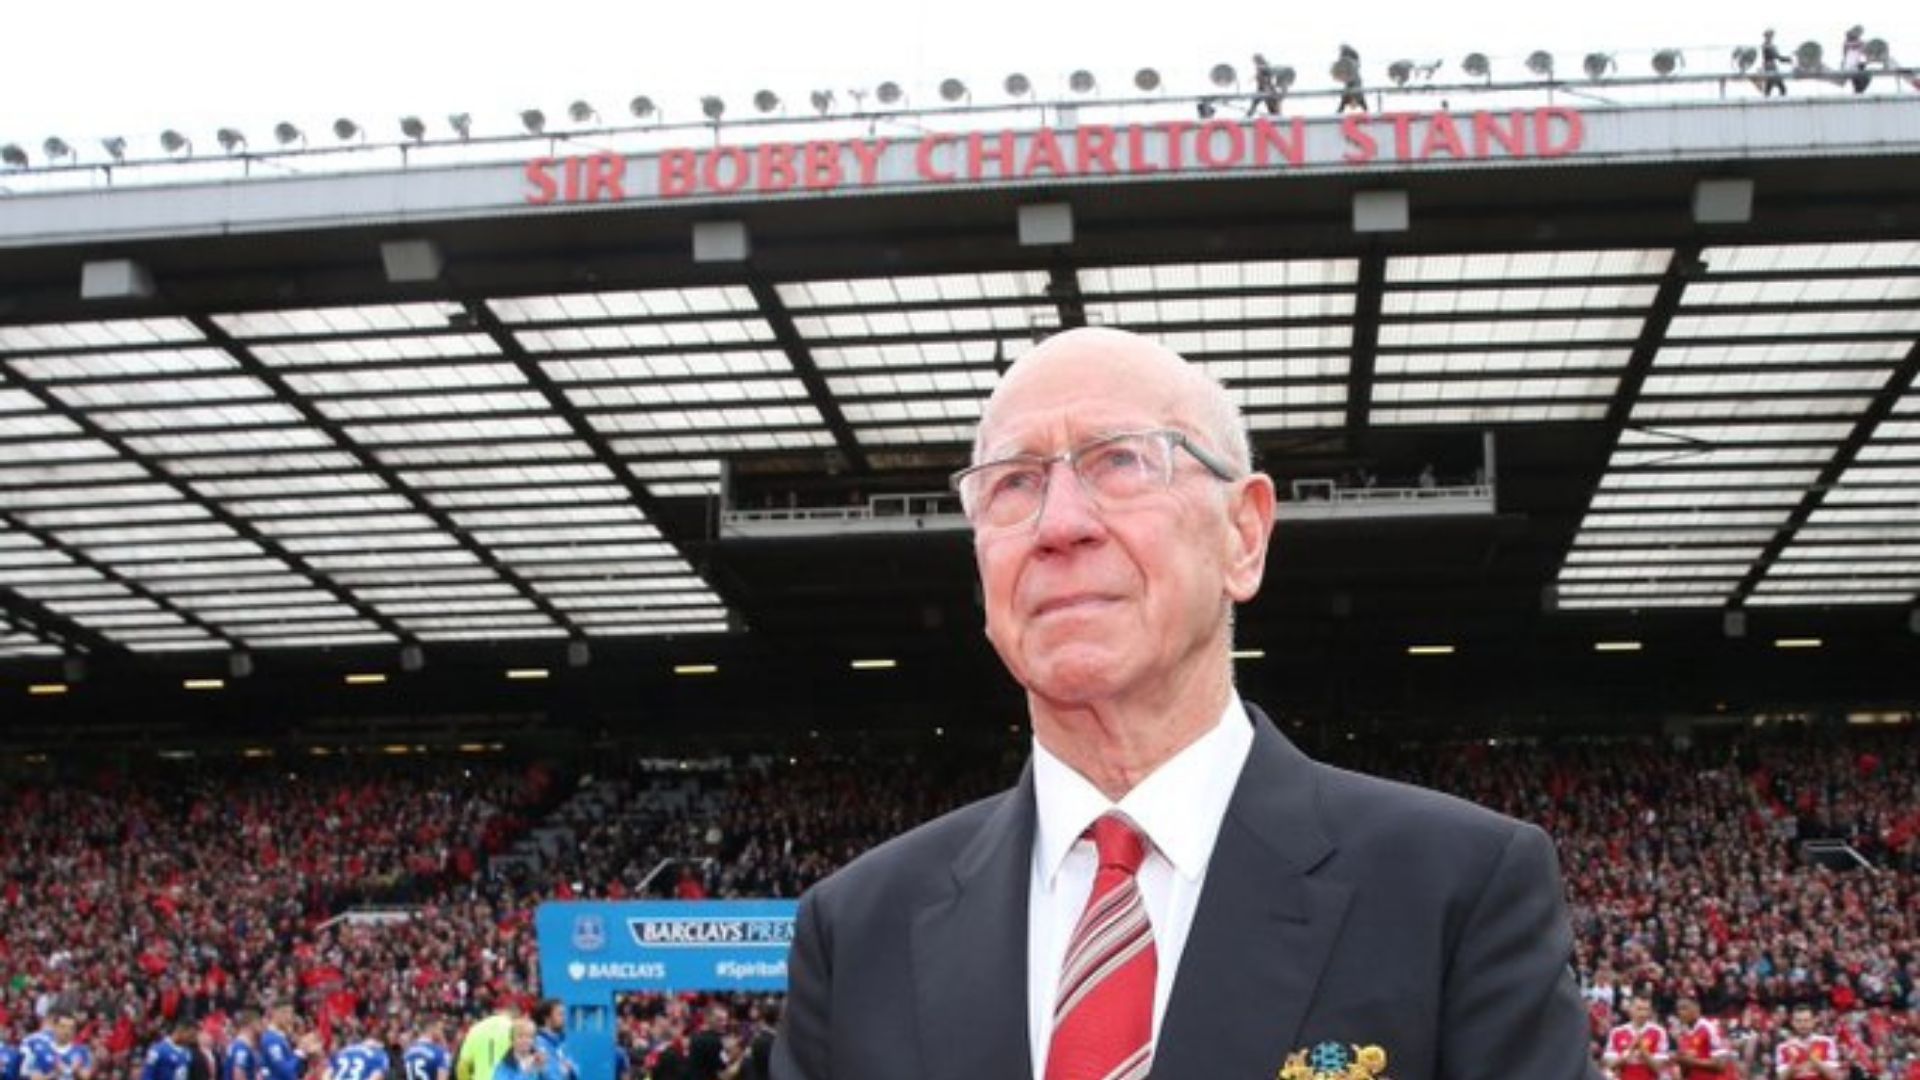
(1370, 809)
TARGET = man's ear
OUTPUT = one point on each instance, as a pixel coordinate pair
(1249, 530)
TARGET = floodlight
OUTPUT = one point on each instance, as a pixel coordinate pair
(1146, 80)
(1807, 56)
(1540, 62)
(344, 129)
(713, 108)
(1081, 82)
(1745, 57)
(889, 93)
(413, 128)
(1284, 76)
(57, 148)
(766, 101)
(953, 91)
(175, 143)
(642, 107)
(1223, 76)
(1877, 51)
(822, 101)
(231, 140)
(1206, 108)
(1400, 71)
(1018, 85)
(286, 134)
(116, 148)
(1667, 61)
(1477, 65)
(13, 156)
(1598, 64)
(462, 125)
(534, 121)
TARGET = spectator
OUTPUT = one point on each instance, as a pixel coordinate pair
(1347, 70)
(523, 1060)
(1266, 87)
(487, 1043)
(1853, 59)
(551, 1036)
(169, 1058)
(1770, 60)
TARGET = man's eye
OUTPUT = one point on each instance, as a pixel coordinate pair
(1118, 457)
(1014, 481)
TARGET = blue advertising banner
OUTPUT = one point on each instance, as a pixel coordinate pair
(593, 950)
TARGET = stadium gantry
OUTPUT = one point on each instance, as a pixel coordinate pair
(1532, 376)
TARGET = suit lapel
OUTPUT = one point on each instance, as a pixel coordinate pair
(1264, 929)
(970, 953)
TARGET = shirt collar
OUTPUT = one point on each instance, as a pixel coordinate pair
(1179, 806)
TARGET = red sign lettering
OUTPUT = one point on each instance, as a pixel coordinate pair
(727, 178)
(1137, 161)
(677, 173)
(823, 165)
(1176, 129)
(1360, 142)
(604, 173)
(1573, 132)
(923, 158)
(979, 153)
(1402, 133)
(1442, 136)
(1487, 131)
(1268, 139)
(1093, 146)
(540, 175)
(867, 152)
(776, 167)
(1043, 152)
(1211, 154)
(1215, 145)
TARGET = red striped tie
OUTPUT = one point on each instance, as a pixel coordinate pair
(1103, 1012)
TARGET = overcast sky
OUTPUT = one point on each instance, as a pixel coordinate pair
(83, 70)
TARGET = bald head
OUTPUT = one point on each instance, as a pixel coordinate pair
(1098, 356)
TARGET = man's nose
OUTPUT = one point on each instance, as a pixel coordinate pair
(1068, 515)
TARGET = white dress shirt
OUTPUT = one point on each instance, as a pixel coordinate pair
(1178, 808)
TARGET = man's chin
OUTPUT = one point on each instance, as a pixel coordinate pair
(1077, 677)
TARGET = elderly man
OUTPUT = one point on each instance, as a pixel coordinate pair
(1171, 889)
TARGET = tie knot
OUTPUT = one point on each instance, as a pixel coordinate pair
(1120, 845)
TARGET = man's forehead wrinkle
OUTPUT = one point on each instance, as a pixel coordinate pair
(1038, 441)
(1036, 424)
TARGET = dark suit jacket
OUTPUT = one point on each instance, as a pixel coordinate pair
(1337, 907)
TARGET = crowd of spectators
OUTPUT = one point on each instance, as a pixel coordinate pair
(136, 901)
(1687, 876)
(768, 826)
(133, 901)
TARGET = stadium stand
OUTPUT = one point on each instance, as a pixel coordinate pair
(132, 900)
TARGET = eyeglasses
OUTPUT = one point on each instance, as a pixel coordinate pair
(1113, 470)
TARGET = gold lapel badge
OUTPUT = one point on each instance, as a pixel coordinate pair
(1335, 1061)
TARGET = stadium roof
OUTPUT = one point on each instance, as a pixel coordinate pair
(279, 448)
